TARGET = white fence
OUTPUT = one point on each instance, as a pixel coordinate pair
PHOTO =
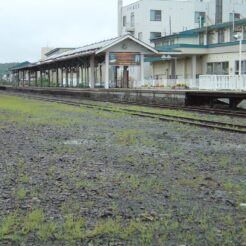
(222, 82)
(171, 83)
(205, 82)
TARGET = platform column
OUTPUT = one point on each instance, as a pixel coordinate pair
(66, 76)
(57, 77)
(36, 78)
(18, 78)
(29, 78)
(107, 70)
(77, 75)
(92, 71)
(71, 77)
(61, 76)
(193, 67)
(23, 77)
(41, 77)
(48, 77)
(81, 75)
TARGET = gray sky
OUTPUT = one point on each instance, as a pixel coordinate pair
(28, 25)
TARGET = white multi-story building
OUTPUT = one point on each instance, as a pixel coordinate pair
(150, 19)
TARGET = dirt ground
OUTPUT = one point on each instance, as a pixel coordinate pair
(77, 176)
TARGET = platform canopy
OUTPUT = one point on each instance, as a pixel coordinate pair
(126, 43)
(96, 61)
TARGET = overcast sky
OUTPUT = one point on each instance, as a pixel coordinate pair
(28, 25)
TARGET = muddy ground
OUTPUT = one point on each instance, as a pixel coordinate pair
(77, 176)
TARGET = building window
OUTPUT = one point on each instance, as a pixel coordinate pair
(155, 15)
(158, 44)
(221, 36)
(210, 37)
(124, 21)
(200, 18)
(243, 67)
(244, 32)
(201, 38)
(236, 30)
(154, 35)
(140, 36)
(132, 19)
(218, 68)
(234, 17)
(171, 41)
(232, 39)
(210, 68)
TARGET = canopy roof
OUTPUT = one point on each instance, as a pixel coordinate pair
(95, 48)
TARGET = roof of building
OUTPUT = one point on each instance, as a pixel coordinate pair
(196, 31)
(20, 65)
(87, 49)
(94, 48)
(57, 49)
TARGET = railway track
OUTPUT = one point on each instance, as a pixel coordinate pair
(159, 116)
(212, 111)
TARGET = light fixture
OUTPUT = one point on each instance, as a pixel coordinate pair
(166, 57)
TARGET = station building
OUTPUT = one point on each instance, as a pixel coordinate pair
(150, 19)
(210, 52)
(200, 58)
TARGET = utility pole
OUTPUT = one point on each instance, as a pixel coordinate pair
(120, 17)
(240, 54)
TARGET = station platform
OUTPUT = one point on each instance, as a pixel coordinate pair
(146, 96)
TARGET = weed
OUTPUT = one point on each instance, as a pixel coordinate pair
(7, 225)
(24, 179)
(21, 194)
(127, 136)
(109, 228)
(33, 221)
(46, 231)
(72, 229)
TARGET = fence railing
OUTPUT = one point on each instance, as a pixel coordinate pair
(205, 82)
(170, 83)
(222, 82)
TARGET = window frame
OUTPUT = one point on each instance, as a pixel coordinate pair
(221, 36)
(155, 36)
(132, 19)
(243, 67)
(218, 68)
(124, 21)
(153, 17)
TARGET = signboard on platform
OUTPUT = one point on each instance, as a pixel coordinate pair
(124, 59)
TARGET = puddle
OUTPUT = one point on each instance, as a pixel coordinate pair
(79, 142)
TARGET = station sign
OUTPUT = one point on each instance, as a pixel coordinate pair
(125, 59)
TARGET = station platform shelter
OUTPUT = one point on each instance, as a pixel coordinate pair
(114, 63)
